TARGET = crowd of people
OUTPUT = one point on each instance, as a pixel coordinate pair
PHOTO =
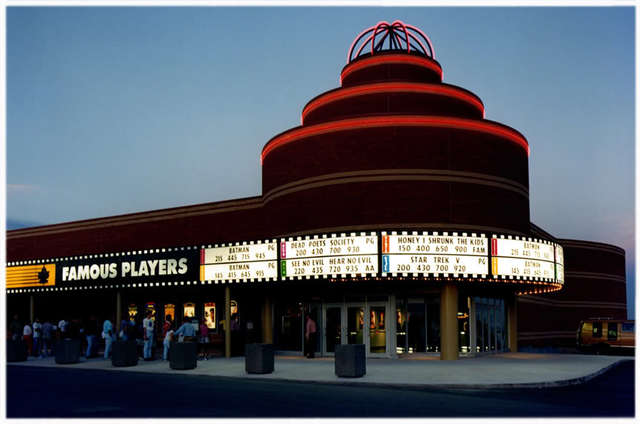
(41, 338)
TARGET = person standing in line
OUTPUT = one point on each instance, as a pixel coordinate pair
(123, 328)
(186, 330)
(37, 334)
(15, 328)
(91, 333)
(47, 333)
(27, 336)
(204, 340)
(310, 337)
(62, 326)
(107, 334)
(147, 326)
(168, 339)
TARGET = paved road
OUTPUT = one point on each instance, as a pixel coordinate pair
(69, 392)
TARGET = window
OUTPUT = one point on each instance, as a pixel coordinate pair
(627, 327)
(597, 329)
(612, 331)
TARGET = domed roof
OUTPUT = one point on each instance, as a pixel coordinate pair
(397, 36)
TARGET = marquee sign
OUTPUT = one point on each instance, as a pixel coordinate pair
(386, 254)
(516, 257)
(559, 260)
(434, 254)
(329, 255)
(255, 261)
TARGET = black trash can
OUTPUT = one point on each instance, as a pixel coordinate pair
(258, 358)
(183, 356)
(16, 351)
(124, 353)
(350, 360)
(68, 351)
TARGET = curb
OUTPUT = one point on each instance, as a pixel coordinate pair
(402, 386)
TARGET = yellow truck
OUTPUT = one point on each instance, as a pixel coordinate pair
(604, 335)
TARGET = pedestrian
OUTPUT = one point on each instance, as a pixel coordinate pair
(91, 333)
(37, 334)
(15, 328)
(27, 337)
(203, 340)
(47, 336)
(168, 324)
(107, 335)
(123, 328)
(62, 327)
(310, 337)
(147, 325)
(168, 339)
(186, 330)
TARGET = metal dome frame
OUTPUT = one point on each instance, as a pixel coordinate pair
(399, 37)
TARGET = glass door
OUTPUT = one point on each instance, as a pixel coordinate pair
(333, 328)
(376, 312)
(355, 324)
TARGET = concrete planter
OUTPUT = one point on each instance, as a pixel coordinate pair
(183, 356)
(16, 351)
(258, 358)
(350, 360)
(68, 351)
(124, 354)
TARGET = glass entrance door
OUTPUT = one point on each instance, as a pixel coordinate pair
(333, 328)
(355, 324)
(489, 325)
(377, 328)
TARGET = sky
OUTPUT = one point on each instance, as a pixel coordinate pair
(119, 110)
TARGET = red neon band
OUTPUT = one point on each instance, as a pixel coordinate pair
(400, 120)
(392, 58)
(392, 87)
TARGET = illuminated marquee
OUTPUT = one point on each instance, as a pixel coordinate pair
(522, 258)
(559, 260)
(42, 275)
(253, 261)
(329, 256)
(434, 254)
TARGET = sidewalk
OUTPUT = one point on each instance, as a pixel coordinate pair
(494, 371)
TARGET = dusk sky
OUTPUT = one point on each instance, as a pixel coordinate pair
(118, 110)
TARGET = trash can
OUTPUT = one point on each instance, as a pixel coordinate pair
(183, 356)
(68, 351)
(124, 353)
(258, 358)
(350, 360)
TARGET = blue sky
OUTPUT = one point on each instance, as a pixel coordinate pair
(117, 110)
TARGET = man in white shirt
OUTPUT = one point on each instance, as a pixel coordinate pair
(37, 337)
(27, 337)
(147, 328)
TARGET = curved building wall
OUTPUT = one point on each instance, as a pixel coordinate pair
(595, 286)
(394, 147)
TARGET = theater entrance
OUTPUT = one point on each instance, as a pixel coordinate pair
(356, 323)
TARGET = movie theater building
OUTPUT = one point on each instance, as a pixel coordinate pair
(395, 214)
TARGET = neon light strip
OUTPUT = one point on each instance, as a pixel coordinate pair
(401, 25)
(392, 58)
(391, 87)
(399, 120)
